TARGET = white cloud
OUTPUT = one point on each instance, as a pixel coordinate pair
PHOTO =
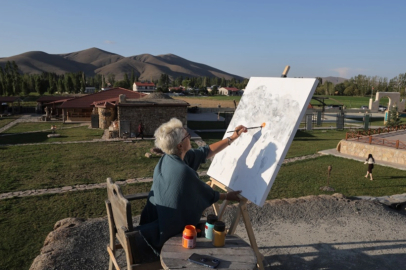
(346, 72)
(109, 42)
(342, 72)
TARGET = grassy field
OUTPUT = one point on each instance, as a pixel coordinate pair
(304, 143)
(304, 178)
(82, 133)
(7, 119)
(348, 101)
(34, 126)
(46, 166)
(25, 222)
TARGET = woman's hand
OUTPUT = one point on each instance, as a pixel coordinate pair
(238, 130)
(233, 196)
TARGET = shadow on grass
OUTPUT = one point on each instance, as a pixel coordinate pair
(300, 134)
(37, 137)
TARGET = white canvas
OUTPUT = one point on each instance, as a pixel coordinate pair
(252, 161)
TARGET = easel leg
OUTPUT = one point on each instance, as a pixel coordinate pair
(244, 212)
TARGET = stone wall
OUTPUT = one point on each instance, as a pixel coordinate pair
(379, 152)
(152, 116)
(106, 116)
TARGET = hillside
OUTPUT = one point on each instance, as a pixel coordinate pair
(96, 61)
(334, 80)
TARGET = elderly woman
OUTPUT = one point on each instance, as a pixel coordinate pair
(178, 197)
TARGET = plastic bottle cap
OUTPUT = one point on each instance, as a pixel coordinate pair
(219, 226)
(211, 219)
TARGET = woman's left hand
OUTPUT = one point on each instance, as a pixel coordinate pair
(238, 130)
(233, 196)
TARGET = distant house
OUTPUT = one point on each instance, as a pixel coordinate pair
(176, 89)
(144, 87)
(152, 110)
(81, 108)
(230, 91)
(10, 104)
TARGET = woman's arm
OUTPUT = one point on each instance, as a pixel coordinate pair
(230, 196)
(220, 145)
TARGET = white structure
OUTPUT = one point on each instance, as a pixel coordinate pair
(90, 90)
(144, 87)
(394, 99)
(230, 91)
(252, 162)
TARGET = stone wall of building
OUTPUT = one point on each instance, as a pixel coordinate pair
(379, 152)
(106, 116)
(151, 117)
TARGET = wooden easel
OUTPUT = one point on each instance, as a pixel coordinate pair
(241, 211)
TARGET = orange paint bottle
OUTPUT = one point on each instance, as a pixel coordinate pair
(189, 236)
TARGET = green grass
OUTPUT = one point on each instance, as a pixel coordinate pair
(304, 178)
(46, 166)
(33, 126)
(7, 119)
(304, 143)
(82, 133)
(25, 222)
(348, 101)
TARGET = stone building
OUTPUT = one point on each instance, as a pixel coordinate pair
(153, 110)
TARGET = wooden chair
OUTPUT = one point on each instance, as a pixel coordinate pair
(122, 229)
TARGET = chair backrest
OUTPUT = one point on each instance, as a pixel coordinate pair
(120, 207)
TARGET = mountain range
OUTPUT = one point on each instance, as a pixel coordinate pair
(96, 61)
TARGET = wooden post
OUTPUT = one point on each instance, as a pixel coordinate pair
(370, 139)
(397, 144)
(241, 211)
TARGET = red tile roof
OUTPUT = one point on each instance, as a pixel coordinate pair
(46, 99)
(144, 84)
(89, 100)
(233, 89)
(9, 99)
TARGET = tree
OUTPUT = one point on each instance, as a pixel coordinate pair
(215, 90)
(68, 84)
(111, 78)
(126, 82)
(339, 89)
(132, 79)
(393, 117)
(24, 88)
(39, 85)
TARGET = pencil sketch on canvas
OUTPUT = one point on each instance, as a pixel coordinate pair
(252, 162)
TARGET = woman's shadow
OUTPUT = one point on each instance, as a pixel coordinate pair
(250, 179)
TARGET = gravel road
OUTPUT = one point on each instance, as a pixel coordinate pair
(314, 232)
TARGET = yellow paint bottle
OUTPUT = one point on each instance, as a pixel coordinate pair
(219, 234)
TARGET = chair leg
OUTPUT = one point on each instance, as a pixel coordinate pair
(112, 260)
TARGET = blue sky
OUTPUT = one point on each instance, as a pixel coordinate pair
(247, 38)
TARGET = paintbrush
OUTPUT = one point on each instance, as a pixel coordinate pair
(261, 126)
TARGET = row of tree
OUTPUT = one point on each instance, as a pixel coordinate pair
(362, 85)
(13, 83)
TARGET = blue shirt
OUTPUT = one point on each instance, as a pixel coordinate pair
(177, 198)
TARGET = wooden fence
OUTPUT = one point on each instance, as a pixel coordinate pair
(366, 137)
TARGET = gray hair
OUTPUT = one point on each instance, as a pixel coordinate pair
(169, 135)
